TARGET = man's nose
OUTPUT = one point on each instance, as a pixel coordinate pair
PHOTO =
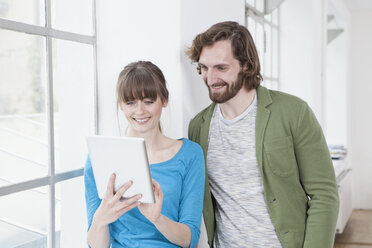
(211, 77)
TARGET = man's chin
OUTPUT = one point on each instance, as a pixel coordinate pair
(217, 98)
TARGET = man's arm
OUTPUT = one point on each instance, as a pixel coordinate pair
(318, 179)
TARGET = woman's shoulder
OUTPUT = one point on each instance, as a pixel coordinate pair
(192, 147)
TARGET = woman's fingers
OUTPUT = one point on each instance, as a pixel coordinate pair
(155, 183)
(122, 190)
(128, 208)
(130, 201)
(110, 186)
(157, 189)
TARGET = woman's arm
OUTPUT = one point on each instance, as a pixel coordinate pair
(175, 232)
(98, 236)
(110, 209)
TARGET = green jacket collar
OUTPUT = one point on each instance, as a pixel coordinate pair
(263, 115)
(263, 100)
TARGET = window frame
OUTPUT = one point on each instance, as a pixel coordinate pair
(259, 17)
(53, 178)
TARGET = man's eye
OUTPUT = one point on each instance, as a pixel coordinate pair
(203, 67)
(221, 68)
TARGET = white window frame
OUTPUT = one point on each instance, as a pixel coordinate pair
(49, 33)
(259, 16)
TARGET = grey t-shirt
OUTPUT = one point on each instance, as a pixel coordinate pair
(241, 213)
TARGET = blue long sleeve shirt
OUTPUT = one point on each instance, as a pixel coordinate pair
(182, 181)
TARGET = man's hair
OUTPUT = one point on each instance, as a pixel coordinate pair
(243, 49)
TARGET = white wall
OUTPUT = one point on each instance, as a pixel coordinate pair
(159, 31)
(302, 44)
(337, 76)
(336, 91)
(129, 31)
(360, 120)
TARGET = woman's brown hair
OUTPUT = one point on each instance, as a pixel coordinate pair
(140, 80)
(243, 48)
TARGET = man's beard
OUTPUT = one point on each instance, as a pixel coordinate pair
(230, 91)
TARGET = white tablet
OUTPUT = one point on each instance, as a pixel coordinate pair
(127, 158)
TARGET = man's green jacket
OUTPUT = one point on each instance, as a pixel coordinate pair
(298, 177)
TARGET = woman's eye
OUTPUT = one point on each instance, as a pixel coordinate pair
(149, 102)
(129, 103)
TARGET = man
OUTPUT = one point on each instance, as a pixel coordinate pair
(270, 180)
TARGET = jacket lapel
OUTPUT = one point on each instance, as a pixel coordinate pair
(263, 115)
(208, 209)
(204, 128)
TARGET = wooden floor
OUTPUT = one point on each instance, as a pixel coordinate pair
(358, 231)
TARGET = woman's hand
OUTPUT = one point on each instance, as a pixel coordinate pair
(111, 207)
(152, 210)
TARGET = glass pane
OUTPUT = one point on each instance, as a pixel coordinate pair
(275, 85)
(268, 17)
(275, 16)
(73, 16)
(71, 220)
(23, 130)
(73, 78)
(275, 60)
(260, 5)
(24, 219)
(252, 27)
(250, 2)
(260, 43)
(29, 11)
(267, 70)
(266, 83)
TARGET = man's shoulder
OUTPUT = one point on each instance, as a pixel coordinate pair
(198, 118)
(282, 97)
(285, 101)
(196, 122)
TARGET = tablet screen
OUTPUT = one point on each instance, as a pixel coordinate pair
(127, 158)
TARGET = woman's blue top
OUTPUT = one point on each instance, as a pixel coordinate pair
(182, 181)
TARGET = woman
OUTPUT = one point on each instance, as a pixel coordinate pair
(177, 169)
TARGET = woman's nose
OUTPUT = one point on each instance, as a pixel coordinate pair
(140, 107)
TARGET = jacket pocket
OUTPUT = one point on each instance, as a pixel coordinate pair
(280, 156)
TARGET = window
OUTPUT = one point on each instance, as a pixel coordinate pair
(47, 107)
(264, 29)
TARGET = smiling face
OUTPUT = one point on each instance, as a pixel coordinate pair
(220, 71)
(141, 95)
(143, 115)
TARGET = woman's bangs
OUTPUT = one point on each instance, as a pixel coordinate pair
(140, 87)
